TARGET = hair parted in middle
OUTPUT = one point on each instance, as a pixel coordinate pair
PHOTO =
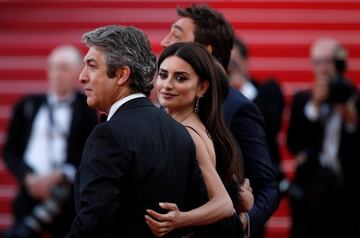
(228, 159)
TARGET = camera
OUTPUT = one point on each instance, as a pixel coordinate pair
(42, 215)
(340, 90)
(340, 60)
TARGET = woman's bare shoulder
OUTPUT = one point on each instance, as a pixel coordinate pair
(204, 146)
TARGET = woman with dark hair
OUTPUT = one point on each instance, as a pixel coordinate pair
(188, 87)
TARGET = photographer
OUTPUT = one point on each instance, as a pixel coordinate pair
(323, 137)
(43, 149)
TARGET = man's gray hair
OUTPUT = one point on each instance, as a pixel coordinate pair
(125, 46)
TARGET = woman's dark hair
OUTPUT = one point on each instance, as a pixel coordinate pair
(228, 157)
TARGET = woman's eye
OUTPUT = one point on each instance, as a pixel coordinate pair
(180, 78)
(162, 75)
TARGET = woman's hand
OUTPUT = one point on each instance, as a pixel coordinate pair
(246, 198)
(161, 224)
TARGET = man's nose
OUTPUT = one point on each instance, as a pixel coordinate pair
(83, 76)
(166, 41)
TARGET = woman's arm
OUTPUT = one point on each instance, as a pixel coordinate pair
(217, 208)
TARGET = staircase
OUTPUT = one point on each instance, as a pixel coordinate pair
(278, 32)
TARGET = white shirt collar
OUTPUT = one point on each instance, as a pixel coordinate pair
(53, 99)
(249, 90)
(121, 102)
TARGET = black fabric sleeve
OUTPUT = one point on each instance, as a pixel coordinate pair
(102, 176)
(247, 127)
(16, 142)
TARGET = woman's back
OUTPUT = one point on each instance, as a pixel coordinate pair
(229, 226)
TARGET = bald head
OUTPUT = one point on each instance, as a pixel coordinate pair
(64, 66)
(324, 47)
(67, 53)
(322, 56)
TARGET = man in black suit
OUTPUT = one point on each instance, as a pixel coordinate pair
(140, 155)
(208, 27)
(267, 95)
(44, 146)
(323, 136)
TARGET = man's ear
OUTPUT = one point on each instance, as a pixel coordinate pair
(209, 49)
(122, 75)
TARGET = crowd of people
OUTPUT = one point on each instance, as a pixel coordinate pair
(206, 163)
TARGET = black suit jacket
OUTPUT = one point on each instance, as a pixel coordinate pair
(307, 136)
(315, 188)
(247, 125)
(83, 121)
(140, 157)
(270, 101)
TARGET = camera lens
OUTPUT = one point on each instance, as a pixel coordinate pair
(42, 215)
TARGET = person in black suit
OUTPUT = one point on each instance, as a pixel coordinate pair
(208, 27)
(323, 137)
(44, 146)
(267, 95)
(140, 155)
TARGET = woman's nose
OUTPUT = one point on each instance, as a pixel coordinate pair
(168, 84)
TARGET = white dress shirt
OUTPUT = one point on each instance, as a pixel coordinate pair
(332, 135)
(249, 90)
(47, 145)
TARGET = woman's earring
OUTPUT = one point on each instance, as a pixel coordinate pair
(197, 104)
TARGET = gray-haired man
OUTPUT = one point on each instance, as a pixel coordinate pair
(140, 156)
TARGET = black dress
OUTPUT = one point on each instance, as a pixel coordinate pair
(230, 227)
